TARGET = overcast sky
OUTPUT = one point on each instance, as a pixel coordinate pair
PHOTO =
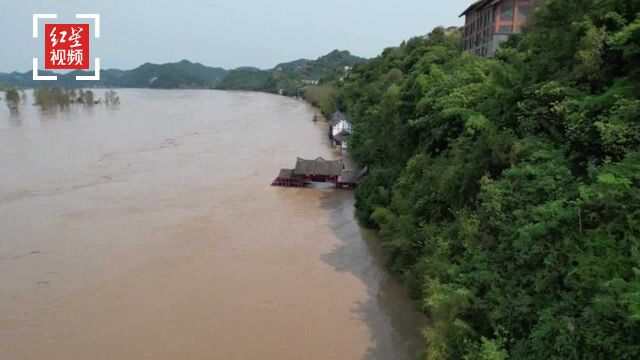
(226, 33)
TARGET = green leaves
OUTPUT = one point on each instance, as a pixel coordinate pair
(589, 55)
(507, 190)
(628, 41)
(619, 129)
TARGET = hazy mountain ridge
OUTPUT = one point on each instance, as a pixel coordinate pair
(169, 75)
(186, 74)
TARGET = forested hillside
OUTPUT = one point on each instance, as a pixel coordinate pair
(507, 190)
(289, 78)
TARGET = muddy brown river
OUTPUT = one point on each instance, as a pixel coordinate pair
(151, 232)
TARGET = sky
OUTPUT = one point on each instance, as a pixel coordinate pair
(225, 33)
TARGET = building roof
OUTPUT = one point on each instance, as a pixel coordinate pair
(352, 176)
(478, 5)
(286, 174)
(340, 124)
(318, 166)
(342, 136)
(338, 117)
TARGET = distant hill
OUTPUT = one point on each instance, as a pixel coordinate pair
(172, 75)
(248, 79)
(286, 78)
(289, 77)
(324, 65)
(293, 65)
(183, 74)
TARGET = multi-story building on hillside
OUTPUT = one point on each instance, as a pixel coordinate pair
(489, 23)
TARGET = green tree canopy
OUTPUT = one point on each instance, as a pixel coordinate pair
(507, 190)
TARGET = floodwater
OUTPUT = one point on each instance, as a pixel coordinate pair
(151, 232)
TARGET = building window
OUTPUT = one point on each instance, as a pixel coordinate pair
(523, 13)
(505, 29)
(506, 10)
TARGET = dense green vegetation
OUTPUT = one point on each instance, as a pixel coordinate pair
(60, 98)
(183, 74)
(248, 78)
(51, 98)
(507, 190)
(290, 78)
(322, 97)
(323, 67)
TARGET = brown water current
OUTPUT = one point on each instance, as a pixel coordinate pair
(151, 232)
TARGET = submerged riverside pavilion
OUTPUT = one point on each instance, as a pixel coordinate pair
(319, 170)
(307, 171)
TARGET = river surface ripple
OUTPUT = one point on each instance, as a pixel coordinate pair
(151, 232)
